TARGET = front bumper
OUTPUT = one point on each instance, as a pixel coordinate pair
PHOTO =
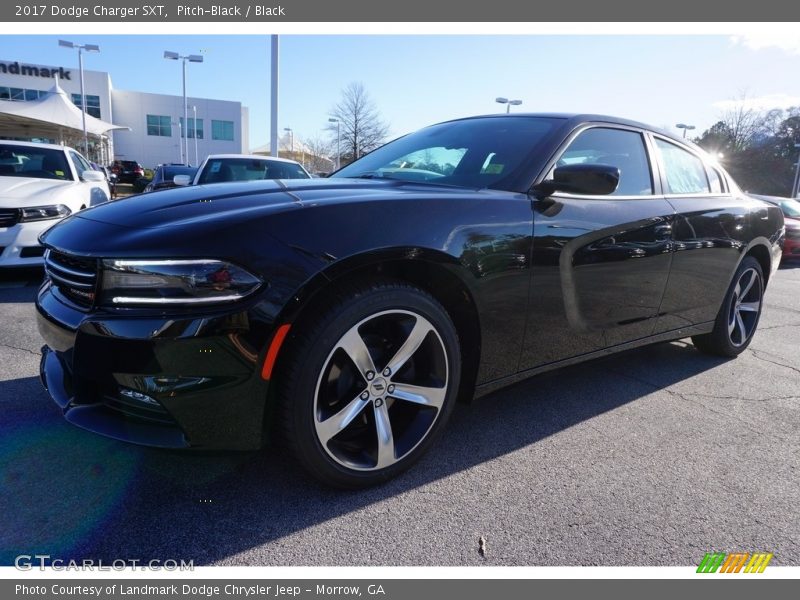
(22, 239)
(169, 382)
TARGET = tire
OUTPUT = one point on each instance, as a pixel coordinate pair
(739, 314)
(368, 384)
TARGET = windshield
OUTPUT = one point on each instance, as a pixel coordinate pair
(791, 208)
(222, 170)
(477, 153)
(30, 161)
(168, 173)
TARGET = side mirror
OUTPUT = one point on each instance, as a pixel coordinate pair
(586, 179)
(182, 180)
(93, 176)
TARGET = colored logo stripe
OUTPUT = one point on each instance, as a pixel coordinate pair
(758, 563)
(733, 563)
(711, 562)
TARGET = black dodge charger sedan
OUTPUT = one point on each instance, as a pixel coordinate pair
(347, 315)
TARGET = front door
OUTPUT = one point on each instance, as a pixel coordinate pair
(600, 263)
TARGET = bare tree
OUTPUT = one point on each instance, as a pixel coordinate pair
(742, 122)
(320, 155)
(361, 128)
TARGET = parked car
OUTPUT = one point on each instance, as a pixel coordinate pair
(127, 171)
(353, 311)
(164, 176)
(225, 168)
(791, 214)
(111, 178)
(39, 185)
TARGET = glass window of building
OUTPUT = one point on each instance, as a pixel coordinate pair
(192, 128)
(159, 125)
(222, 130)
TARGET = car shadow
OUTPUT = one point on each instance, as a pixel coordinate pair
(71, 494)
(20, 285)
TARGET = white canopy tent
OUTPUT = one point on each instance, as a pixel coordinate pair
(54, 116)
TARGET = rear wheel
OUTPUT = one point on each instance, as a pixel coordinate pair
(369, 384)
(738, 317)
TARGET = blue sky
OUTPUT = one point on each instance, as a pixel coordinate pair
(419, 80)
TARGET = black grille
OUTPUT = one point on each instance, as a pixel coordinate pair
(138, 410)
(75, 277)
(9, 217)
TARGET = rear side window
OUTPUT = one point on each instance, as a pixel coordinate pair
(684, 172)
(617, 148)
(715, 181)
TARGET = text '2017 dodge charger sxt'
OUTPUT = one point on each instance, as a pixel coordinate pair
(350, 313)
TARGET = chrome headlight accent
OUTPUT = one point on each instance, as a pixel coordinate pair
(174, 282)
(43, 213)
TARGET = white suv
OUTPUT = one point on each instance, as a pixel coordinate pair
(41, 184)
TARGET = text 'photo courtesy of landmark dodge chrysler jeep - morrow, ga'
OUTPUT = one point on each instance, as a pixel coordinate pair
(346, 316)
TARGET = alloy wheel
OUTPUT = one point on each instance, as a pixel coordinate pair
(745, 307)
(381, 390)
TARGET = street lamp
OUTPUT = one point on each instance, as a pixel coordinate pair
(685, 127)
(338, 152)
(194, 117)
(195, 58)
(508, 103)
(291, 141)
(81, 48)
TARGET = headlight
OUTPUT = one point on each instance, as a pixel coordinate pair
(42, 213)
(161, 282)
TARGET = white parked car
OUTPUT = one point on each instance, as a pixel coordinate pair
(224, 168)
(40, 184)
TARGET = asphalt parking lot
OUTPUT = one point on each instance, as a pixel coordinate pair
(653, 457)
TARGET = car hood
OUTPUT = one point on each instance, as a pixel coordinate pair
(230, 203)
(29, 191)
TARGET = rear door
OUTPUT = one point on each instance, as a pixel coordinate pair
(600, 263)
(711, 230)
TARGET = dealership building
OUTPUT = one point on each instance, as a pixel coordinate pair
(154, 121)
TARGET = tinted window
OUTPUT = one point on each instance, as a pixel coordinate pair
(221, 170)
(80, 163)
(617, 148)
(715, 181)
(30, 161)
(479, 153)
(685, 173)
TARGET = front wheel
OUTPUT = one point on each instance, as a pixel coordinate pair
(738, 317)
(369, 384)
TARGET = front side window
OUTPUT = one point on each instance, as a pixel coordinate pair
(159, 125)
(616, 148)
(80, 164)
(684, 172)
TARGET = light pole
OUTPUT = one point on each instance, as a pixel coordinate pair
(81, 48)
(685, 128)
(508, 103)
(338, 151)
(194, 117)
(291, 141)
(796, 183)
(195, 58)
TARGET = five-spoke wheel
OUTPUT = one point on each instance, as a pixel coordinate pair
(371, 381)
(738, 317)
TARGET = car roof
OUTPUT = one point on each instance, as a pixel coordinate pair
(36, 145)
(256, 156)
(578, 118)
